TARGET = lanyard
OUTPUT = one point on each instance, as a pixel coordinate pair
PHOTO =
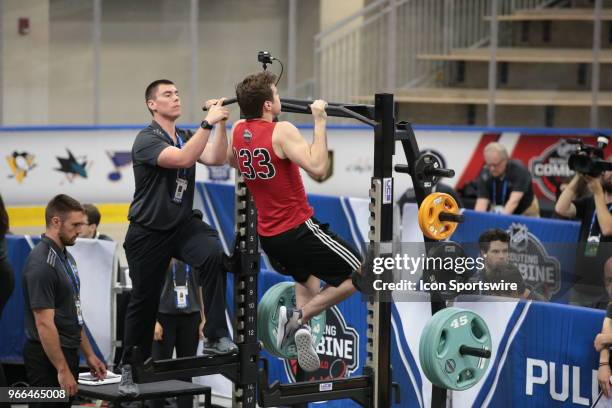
(187, 269)
(504, 191)
(181, 173)
(593, 220)
(72, 274)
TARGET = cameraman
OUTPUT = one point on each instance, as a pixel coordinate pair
(594, 212)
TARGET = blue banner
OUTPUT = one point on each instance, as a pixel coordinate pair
(543, 249)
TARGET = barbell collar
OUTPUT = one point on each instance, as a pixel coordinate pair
(446, 216)
(433, 172)
(402, 168)
(473, 351)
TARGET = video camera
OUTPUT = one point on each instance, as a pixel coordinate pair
(589, 159)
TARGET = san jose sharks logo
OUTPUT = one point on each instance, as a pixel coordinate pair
(20, 164)
(73, 168)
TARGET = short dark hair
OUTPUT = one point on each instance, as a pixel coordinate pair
(253, 92)
(152, 89)
(4, 219)
(490, 235)
(60, 205)
(93, 214)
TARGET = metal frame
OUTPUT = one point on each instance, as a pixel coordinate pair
(374, 388)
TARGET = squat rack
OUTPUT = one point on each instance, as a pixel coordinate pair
(375, 387)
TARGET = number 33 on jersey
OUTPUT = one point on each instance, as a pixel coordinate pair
(255, 164)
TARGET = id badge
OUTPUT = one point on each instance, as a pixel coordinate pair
(182, 298)
(592, 246)
(498, 209)
(181, 187)
(77, 303)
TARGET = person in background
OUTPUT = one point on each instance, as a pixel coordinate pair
(180, 320)
(93, 222)
(7, 279)
(507, 273)
(595, 239)
(54, 324)
(504, 185)
(494, 245)
(602, 303)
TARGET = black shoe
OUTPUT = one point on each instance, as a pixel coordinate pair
(219, 347)
(127, 387)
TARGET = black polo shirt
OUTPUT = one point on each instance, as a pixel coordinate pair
(497, 190)
(590, 268)
(153, 206)
(47, 285)
(585, 212)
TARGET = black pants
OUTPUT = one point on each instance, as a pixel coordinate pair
(7, 279)
(40, 372)
(7, 284)
(180, 331)
(148, 254)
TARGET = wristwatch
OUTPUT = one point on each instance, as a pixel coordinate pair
(206, 125)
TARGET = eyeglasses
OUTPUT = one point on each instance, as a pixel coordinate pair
(495, 165)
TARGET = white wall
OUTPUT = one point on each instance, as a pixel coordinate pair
(352, 148)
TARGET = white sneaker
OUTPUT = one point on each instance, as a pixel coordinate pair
(288, 323)
(308, 358)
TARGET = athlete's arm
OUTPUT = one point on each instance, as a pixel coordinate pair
(231, 159)
(311, 157)
(174, 158)
(214, 153)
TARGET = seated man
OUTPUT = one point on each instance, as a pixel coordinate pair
(504, 185)
(507, 273)
(93, 222)
(269, 155)
(494, 245)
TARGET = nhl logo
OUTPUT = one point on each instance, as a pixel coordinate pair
(519, 237)
(247, 135)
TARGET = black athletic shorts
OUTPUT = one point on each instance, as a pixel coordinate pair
(312, 249)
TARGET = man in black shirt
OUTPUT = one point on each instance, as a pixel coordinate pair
(93, 222)
(504, 185)
(595, 215)
(180, 320)
(163, 224)
(53, 320)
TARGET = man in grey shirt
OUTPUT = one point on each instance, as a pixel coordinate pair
(54, 324)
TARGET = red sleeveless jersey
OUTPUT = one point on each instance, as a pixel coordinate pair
(275, 183)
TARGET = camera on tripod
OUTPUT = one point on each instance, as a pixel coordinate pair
(589, 159)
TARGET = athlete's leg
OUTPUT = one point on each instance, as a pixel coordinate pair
(306, 291)
(328, 297)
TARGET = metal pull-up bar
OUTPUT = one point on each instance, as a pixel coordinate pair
(339, 110)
